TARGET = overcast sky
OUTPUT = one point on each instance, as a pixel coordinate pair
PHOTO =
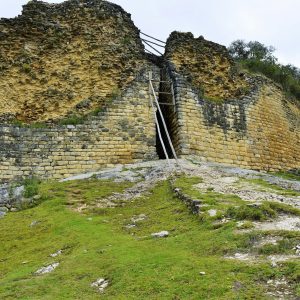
(272, 22)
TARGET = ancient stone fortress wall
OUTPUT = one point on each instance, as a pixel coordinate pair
(123, 133)
(252, 125)
(81, 57)
(60, 59)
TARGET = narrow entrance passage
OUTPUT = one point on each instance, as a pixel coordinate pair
(159, 147)
(166, 104)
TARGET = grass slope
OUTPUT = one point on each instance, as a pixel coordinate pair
(98, 245)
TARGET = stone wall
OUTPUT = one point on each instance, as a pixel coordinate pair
(82, 55)
(207, 66)
(258, 130)
(124, 132)
(67, 58)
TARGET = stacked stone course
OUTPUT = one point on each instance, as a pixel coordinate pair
(123, 133)
(73, 57)
(257, 130)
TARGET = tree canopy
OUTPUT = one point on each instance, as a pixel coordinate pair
(259, 58)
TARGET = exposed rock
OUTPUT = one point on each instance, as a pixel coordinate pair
(47, 269)
(280, 289)
(4, 209)
(241, 256)
(160, 234)
(284, 222)
(212, 212)
(101, 284)
(129, 226)
(138, 218)
(18, 192)
(297, 249)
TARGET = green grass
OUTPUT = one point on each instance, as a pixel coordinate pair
(265, 211)
(31, 186)
(209, 198)
(98, 245)
(284, 246)
(287, 175)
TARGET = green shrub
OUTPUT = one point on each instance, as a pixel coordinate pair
(252, 213)
(73, 120)
(31, 186)
(26, 68)
(258, 58)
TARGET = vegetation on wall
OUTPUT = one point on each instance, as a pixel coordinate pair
(259, 58)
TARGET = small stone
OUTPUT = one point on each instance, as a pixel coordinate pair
(47, 269)
(34, 223)
(36, 197)
(2, 214)
(273, 264)
(160, 234)
(129, 226)
(101, 284)
(202, 273)
(138, 218)
(212, 212)
(90, 219)
(297, 249)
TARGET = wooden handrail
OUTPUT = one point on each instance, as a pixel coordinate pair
(152, 37)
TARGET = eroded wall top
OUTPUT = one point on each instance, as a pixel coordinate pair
(207, 65)
(68, 57)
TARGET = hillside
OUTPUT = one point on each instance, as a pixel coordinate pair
(127, 175)
(241, 241)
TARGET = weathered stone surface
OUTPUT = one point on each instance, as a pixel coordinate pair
(80, 55)
(47, 269)
(160, 234)
(239, 120)
(207, 65)
(62, 151)
(101, 284)
(63, 58)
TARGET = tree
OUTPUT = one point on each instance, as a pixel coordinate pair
(259, 58)
(261, 52)
(252, 50)
(238, 49)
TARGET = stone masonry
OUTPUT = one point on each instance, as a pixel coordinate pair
(86, 58)
(257, 129)
(61, 59)
(123, 133)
